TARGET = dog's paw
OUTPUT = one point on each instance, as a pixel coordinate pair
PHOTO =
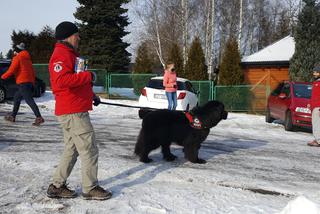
(146, 160)
(201, 161)
(170, 158)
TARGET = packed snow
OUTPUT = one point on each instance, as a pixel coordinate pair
(252, 167)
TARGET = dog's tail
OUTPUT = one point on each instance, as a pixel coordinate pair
(140, 141)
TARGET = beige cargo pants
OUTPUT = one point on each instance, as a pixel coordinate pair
(316, 124)
(79, 140)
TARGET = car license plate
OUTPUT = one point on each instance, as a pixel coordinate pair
(160, 96)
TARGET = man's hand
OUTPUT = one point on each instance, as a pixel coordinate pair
(96, 100)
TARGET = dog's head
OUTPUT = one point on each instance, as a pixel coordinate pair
(211, 113)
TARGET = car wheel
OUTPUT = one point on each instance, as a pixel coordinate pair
(288, 126)
(2, 95)
(269, 119)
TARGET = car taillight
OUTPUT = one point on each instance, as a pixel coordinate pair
(144, 92)
(182, 95)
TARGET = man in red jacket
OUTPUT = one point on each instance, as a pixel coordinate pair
(315, 107)
(72, 89)
(21, 68)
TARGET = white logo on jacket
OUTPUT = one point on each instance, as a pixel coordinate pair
(57, 67)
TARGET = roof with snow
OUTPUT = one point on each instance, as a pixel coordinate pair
(280, 51)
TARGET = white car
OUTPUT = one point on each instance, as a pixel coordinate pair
(154, 95)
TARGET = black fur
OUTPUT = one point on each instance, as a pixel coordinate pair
(162, 127)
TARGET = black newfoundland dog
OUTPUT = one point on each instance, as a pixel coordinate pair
(190, 129)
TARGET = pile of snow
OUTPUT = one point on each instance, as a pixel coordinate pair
(301, 205)
(98, 89)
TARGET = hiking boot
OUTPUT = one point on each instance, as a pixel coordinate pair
(10, 118)
(97, 193)
(61, 192)
(38, 121)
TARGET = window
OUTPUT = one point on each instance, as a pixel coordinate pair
(189, 87)
(277, 91)
(302, 90)
(286, 90)
(181, 86)
(158, 84)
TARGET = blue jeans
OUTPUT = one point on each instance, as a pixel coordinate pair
(172, 100)
(25, 91)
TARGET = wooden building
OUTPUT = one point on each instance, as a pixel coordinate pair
(266, 68)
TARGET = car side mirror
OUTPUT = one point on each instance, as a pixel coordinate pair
(282, 96)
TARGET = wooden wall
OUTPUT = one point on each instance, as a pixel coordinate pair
(268, 76)
(263, 80)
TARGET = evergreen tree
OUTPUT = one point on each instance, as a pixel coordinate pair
(196, 68)
(307, 42)
(175, 56)
(25, 36)
(101, 31)
(9, 55)
(143, 65)
(1, 55)
(143, 62)
(39, 46)
(42, 46)
(230, 72)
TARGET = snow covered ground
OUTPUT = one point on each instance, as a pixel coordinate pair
(252, 167)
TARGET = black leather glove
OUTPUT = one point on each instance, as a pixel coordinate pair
(96, 100)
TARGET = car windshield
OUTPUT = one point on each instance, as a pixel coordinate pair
(302, 90)
(158, 84)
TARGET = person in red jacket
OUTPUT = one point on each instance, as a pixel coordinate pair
(170, 84)
(72, 89)
(315, 107)
(21, 68)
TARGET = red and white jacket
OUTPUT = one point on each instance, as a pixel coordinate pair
(315, 94)
(72, 91)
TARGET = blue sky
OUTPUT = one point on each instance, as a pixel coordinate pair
(32, 15)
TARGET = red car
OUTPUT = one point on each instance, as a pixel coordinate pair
(289, 102)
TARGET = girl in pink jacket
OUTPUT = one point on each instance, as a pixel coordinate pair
(170, 84)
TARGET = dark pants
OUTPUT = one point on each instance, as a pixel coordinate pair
(25, 91)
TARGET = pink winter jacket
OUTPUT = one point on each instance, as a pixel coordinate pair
(170, 81)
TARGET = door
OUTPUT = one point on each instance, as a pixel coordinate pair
(273, 101)
(284, 103)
